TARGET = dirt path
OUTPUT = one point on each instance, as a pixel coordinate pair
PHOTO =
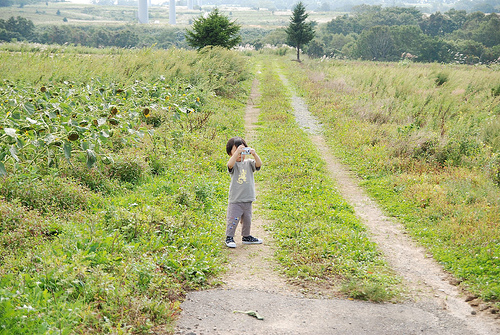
(252, 282)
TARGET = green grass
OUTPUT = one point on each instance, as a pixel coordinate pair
(319, 238)
(423, 152)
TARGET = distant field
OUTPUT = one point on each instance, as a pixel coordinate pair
(98, 15)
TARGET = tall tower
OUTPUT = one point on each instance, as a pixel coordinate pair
(143, 11)
(171, 12)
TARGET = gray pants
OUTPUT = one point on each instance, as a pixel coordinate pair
(236, 212)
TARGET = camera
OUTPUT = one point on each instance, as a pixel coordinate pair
(246, 151)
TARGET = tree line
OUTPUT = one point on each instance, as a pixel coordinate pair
(369, 33)
(127, 36)
(388, 34)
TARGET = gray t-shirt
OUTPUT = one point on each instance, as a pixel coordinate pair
(242, 187)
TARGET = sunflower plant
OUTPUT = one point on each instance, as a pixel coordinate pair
(43, 124)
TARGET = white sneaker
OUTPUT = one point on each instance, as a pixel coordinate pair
(230, 242)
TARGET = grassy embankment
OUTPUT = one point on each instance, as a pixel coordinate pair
(318, 236)
(112, 249)
(425, 139)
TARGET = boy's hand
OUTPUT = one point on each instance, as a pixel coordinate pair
(240, 149)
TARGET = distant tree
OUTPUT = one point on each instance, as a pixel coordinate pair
(315, 49)
(407, 39)
(214, 30)
(483, 7)
(372, 16)
(21, 27)
(343, 25)
(299, 32)
(8, 36)
(376, 43)
(468, 51)
(438, 25)
(325, 7)
(276, 37)
(365, 17)
(434, 49)
(474, 20)
(459, 17)
(103, 2)
(488, 32)
(125, 38)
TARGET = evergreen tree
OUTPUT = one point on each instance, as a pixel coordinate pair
(214, 30)
(299, 32)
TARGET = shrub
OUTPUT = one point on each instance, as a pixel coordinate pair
(127, 170)
(441, 78)
(20, 228)
(92, 178)
(47, 193)
(157, 163)
(366, 290)
(130, 225)
(495, 91)
(224, 70)
(493, 168)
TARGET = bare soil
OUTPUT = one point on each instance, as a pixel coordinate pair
(253, 281)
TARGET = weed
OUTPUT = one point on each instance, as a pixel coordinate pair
(46, 193)
(495, 91)
(129, 171)
(366, 290)
(441, 78)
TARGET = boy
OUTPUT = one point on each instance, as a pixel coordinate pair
(241, 190)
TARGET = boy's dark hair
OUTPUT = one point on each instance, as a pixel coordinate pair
(235, 141)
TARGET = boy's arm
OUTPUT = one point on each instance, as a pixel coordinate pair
(234, 157)
(258, 162)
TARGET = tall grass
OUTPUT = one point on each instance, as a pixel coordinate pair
(427, 150)
(213, 70)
